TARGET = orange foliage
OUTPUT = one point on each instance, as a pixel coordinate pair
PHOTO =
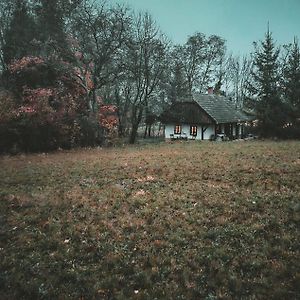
(24, 62)
(108, 117)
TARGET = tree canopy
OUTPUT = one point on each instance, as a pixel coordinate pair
(67, 59)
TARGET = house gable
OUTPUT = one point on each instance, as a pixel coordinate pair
(188, 112)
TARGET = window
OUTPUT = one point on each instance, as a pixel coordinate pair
(193, 130)
(177, 129)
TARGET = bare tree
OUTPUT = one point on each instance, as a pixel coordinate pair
(146, 61)
(239, 71)
(100, 31)
(213, 57)
(192, 56)
(200, 57)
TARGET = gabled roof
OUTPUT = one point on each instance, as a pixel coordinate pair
(204, 109)
(220, 108)
(188, 112)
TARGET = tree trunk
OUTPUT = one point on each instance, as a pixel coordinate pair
(136, 120)
(133, 133)
(145, 133)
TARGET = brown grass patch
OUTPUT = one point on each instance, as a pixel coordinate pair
(183, 220)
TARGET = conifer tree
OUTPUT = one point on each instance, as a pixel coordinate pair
(18, 38)
(270, 109)
(292, 78)
(51, 19)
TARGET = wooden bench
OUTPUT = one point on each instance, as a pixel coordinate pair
(182, 136)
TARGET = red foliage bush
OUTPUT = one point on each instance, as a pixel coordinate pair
(25, 62)
(108, 117)
(54, 107)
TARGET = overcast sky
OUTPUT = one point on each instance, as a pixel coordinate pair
(240, 22)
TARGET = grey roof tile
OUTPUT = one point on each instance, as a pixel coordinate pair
(220, 108)
(204, 109)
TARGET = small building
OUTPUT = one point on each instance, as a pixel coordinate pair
(205, 117)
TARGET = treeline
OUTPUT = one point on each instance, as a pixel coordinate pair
(61, 61)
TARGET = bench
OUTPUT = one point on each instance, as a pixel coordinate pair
(180, 136)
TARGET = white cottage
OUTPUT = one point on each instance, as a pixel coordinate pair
(204, 118)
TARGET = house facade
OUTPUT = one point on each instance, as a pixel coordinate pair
(205, 117)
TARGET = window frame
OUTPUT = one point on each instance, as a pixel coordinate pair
(177, 129)
(192, 132)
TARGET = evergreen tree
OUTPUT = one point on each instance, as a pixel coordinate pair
(292, 78)
(19, 36)
(50, 18)
(51, 24)
(271, 111)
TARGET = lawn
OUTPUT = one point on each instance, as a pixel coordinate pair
(186, 220)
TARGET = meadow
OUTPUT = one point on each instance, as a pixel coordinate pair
(182, 220)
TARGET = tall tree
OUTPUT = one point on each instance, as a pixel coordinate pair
(178, 88)
(239, 74)
(214, 56)
(52, 30)
(6, 13)
(51, 18)
(19, 36)
(200, 57)
(271, 111)
(292, 78)
(192, 55)
(146, 63)
(100, 31)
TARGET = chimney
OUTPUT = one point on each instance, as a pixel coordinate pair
(210, 90)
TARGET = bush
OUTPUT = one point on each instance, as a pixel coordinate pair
(17, 136)
(89, 132)
(45, 109)
(29, 135)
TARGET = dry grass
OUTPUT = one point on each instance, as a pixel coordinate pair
(180, 221)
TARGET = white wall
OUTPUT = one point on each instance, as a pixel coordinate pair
(185, 128)
(239, 131)
(233, 130)
(223, 128)
(209, 132)
(169, 129)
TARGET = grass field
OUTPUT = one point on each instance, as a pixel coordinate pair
(169, 221)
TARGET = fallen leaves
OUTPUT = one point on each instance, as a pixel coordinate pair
(140, 193)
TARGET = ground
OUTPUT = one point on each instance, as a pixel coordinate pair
(187, 220)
